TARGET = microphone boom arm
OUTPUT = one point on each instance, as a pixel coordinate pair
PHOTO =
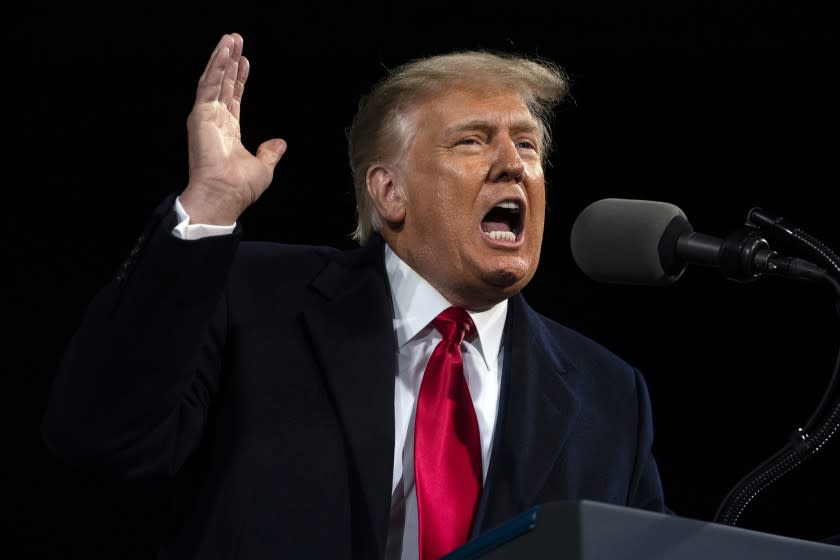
(825, 420)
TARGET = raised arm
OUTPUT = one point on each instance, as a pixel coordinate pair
(132, 393)
(225, 178)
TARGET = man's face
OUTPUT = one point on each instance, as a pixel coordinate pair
(473, 181)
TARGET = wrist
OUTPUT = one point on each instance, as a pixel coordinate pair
(203, 206)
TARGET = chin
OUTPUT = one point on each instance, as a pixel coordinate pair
(509, 274)
(496, 281)
(503, 284)
(503, 279)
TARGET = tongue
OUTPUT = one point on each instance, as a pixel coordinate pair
(490, 225)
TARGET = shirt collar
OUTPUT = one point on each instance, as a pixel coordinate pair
(416, 303)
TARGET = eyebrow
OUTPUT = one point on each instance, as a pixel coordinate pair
(479, 124)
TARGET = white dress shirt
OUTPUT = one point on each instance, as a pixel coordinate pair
(416, 303)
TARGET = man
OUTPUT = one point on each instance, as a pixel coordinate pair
(286, 388)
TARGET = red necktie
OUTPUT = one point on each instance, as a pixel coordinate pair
(447, 448)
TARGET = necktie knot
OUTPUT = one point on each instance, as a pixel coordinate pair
(453, 323)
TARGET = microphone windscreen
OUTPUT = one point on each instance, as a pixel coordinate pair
(619, 241)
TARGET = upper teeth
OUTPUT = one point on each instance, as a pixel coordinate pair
(508, 205)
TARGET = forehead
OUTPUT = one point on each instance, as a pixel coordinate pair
(463, 103)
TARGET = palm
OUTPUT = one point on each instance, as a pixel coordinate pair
(217, 154)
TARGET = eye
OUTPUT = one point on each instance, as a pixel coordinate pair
(526, 144)
(471, 141)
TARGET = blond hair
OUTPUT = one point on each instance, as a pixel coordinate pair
(376, 134)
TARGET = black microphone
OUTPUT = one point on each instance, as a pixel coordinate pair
(646, 242)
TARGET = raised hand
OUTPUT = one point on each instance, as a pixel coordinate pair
(225, 178)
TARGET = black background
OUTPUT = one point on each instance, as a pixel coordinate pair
(716, 107)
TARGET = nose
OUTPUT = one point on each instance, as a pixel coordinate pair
(508, 165)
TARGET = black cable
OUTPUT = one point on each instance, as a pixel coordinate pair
(824, 423)
(796, 452)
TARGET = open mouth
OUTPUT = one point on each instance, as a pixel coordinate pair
(503, 222)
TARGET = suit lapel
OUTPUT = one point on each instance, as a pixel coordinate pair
(537, 413)
(354, 340)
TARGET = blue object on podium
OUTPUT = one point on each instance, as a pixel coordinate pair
(586, 530)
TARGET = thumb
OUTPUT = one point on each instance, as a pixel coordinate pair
(270, 151)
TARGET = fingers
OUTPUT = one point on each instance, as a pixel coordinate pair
(239, 87)
(225, 41)
(218, 81)
(208, 83)
(231, 71)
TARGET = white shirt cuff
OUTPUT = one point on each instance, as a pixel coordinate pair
(186, 230)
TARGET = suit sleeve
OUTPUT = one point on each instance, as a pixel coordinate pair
(646, 486)
(131, 395)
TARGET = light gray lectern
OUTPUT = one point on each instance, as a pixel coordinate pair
(585, 530)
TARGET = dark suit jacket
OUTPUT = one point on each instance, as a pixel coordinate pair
(261, 378)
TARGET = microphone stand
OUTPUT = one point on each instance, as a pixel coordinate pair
(825, 420)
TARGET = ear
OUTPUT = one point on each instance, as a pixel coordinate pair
(387, 196)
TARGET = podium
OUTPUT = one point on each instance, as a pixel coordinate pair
(586, 530)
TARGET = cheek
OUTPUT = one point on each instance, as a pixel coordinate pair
(536, 197)
(536, 217)
(452, 196)
(539, 215)
(435, 213)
